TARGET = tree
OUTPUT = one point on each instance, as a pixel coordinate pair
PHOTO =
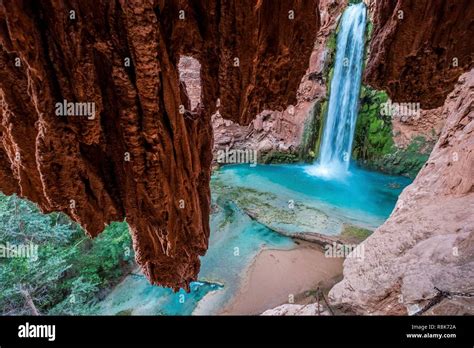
(66, 272)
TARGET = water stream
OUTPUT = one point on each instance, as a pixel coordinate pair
(324, 197)
(338, 135)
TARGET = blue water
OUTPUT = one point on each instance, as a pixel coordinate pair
(371, 193)
(236, 239)
(358, 197)
(234, 242)
(136, 296)
(338, 134)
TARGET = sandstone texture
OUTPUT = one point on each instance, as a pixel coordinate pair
(419, 48)
(428, 241)
(428, 124)
(297, 309)
(282, 130)
(145, 156)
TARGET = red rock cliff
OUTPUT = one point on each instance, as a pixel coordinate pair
(419, 48)
(139, 158)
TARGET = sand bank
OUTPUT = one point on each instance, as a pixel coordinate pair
(275, 275)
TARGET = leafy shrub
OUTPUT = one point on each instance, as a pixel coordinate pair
(70, 272)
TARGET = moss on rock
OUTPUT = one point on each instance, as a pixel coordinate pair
(355, 234)
(311, 134)
(374, 147)
(373, 133)
(407, 161)
(279, 157)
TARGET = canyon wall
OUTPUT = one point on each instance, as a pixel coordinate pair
(417, 51)
(285, 135)
(428, 241)
(419, 48)
(142, 155)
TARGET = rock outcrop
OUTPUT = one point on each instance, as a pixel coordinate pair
(419, 48)
(141, 154)
(281, 131)
(297, 309)
(428, 124)
(428, 241)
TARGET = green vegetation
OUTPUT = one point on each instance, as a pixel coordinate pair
(373, 133)
(354, 233)
(369, 28)
(68, 273)
(373, 140)
(368, 33)
(406, 161)
(311, 134)
(331, 46)
(328, 68)
(279, 157)
(322, 118)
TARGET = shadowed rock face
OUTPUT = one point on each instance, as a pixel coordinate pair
(416, 45)
(283, 131)
(139, 158)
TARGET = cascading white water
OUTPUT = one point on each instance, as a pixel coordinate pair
(336, 145)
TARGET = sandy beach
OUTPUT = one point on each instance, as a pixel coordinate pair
(275, 274)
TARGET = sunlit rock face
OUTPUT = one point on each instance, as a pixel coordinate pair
(138, 152)
(428, 240)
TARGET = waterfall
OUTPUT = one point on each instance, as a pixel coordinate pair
(338, 134)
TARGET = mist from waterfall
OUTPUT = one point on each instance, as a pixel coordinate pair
(336, 146)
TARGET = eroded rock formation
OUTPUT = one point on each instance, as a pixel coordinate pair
(419, 48)
(275, 133)
(428, 124)
(428, 241)
(139, 157)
